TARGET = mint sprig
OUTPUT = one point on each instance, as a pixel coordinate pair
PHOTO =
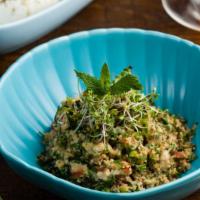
(124, 82)
(126, 71)
(91, 83)
(105, 77)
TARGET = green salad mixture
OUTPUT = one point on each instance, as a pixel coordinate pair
(112, 138)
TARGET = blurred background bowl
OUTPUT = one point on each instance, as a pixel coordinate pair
(22, 32)
(33, 87)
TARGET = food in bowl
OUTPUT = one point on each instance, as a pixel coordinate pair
(13, 10)
(112, 137)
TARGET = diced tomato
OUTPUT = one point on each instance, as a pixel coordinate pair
(179, 154)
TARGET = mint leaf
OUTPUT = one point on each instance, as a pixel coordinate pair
(105, 77)
(126, 71)
(125, 84)
(91, 83)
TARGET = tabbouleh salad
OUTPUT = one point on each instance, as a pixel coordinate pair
(112, 138)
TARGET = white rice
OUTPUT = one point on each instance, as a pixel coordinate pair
(13, 10)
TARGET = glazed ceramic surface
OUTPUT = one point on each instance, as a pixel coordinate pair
(20, 33)
(33, 87)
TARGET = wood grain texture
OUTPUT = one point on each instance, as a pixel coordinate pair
(146, 14)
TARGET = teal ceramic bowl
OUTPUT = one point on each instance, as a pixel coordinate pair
(33, 87)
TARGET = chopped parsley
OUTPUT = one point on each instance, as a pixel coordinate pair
(113, 138)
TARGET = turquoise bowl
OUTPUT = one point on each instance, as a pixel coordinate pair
(33, 87)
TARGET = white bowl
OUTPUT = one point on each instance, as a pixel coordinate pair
(20, 33)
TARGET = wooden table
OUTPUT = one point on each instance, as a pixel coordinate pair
(146, 14)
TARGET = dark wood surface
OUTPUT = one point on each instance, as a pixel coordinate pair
(146, 14)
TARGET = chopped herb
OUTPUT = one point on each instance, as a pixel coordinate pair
(112, 138)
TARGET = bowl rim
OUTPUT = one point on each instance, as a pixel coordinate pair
(36, 15)
(158, 189)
